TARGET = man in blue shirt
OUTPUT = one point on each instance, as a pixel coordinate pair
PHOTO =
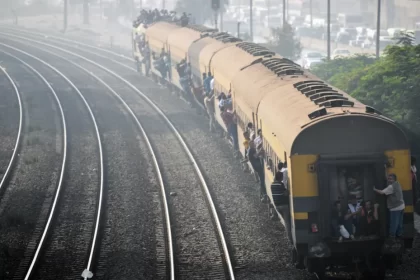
(206, 83)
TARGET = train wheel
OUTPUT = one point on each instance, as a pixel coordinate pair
(272, 214)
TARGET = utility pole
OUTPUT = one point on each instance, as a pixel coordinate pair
(86, 11)
(65, 15)
(222, 5)
(239, 29)
(378, 28)
(284, 14)
(329, 30)
(163, 4)
(310, 11)
(251, 27)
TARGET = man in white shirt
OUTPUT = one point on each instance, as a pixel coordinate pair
(212, 84)
(395, 203)
(285, 176)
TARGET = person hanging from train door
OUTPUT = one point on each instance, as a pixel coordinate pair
(204, 77)
(285, 174)
(279, 189)
(209, 104)
(206, 82)
(245, 167)
(255, 161)
(146, 58)
(250, 129)
(229, 118)
(212, 84)
(414, 182)
(395, 203)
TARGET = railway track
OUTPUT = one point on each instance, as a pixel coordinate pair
(189, 263)
(15, 148)
(37, 177)
(79, 208)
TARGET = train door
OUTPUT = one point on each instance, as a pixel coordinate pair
(341, 180)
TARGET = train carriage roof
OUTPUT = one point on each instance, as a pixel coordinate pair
(230, 61)
(254, 82)
(182, 38)
(202, 51)
(298, 108)
(307, 123)
(161, 30)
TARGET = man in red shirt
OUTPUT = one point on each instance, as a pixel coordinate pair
(230, 123)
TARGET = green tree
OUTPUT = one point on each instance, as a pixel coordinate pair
(285, 43)
(390, 84)
(344, 72)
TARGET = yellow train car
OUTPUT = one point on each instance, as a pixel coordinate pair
(326, 137)
(227, 63)
(179, 43)
(333, 144)
(201, 52)
(157, 36)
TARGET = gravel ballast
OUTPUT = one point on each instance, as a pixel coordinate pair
(25, 204)
(68, 244)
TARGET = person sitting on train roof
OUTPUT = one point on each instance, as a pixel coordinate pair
(395, 203)
(209, 104)
(229, 119)
(369, 220)
(354, 210)
(258, 169)
(184, 19)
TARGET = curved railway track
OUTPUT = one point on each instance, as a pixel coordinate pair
(12, 160)
(38, 176)
(32, 264)
(219, 265)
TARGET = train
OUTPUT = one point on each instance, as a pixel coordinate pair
(330, 141)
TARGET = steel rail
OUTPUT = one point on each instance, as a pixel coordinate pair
(176, 132)
(64, 127)
(100, 199)
(45, 35)
(19, 137)
(153, 154)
